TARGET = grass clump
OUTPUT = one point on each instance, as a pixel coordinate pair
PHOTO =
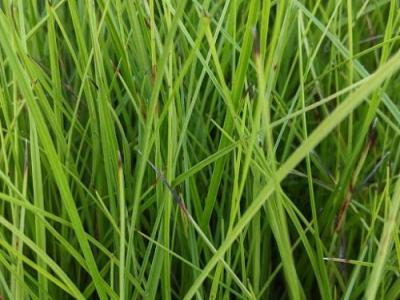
(199, 149)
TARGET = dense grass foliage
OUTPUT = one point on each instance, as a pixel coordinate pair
(179, 149)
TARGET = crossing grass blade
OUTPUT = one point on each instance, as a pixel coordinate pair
(199, 149)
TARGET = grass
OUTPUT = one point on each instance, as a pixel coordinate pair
(199, 149)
